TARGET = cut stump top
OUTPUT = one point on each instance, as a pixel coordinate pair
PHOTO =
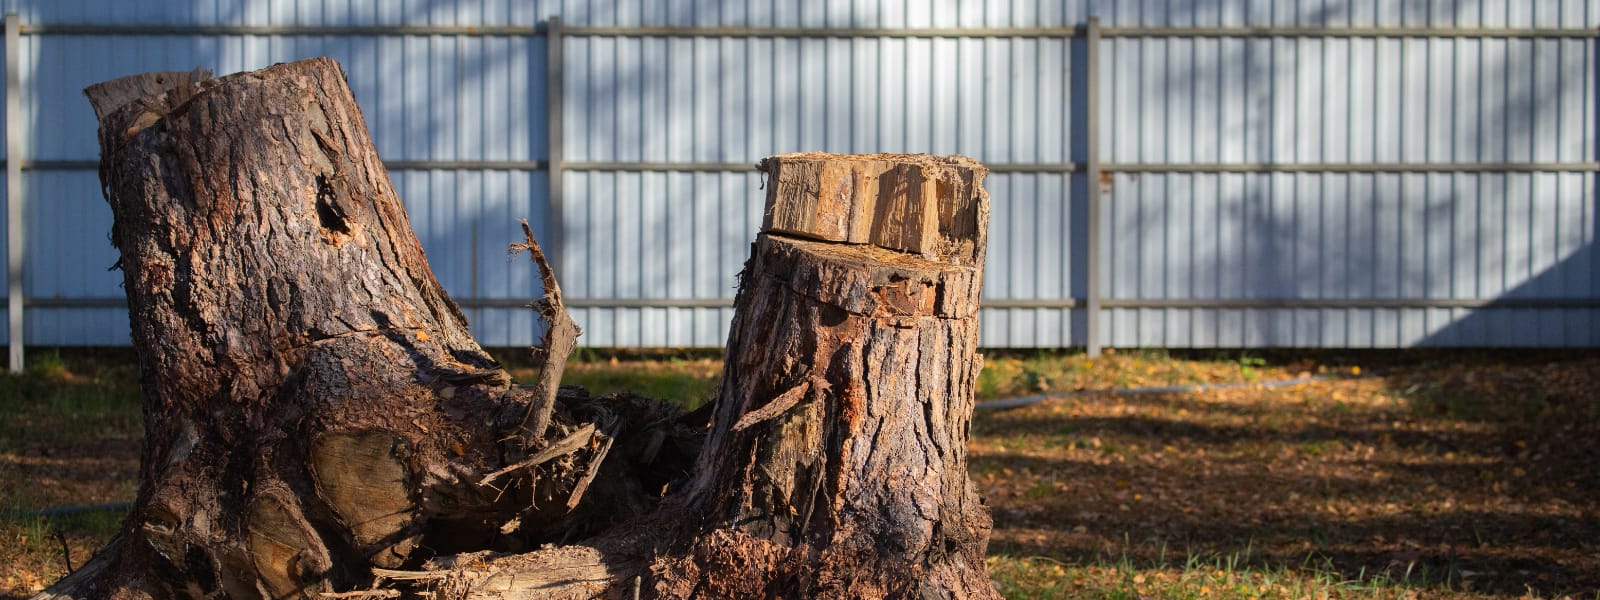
(931, 206)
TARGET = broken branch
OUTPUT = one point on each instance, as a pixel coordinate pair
(588, 477)
(563, 447)
(559, 338)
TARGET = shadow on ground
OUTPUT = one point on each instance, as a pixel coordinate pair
(1477, 474)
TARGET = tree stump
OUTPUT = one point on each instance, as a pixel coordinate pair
(319, 421)
(837, 458)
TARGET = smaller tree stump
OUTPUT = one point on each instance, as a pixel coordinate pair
(836, 463)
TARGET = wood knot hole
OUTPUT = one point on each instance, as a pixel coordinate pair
(330, 213)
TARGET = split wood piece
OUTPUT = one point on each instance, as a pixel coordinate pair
(591, 471)
(567, 445)
(911, 202)
(361, 594)
(288, 554)
(575, 572)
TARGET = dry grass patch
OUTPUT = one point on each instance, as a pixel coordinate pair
(1452, 479)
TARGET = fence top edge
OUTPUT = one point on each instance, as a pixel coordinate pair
(541, 29)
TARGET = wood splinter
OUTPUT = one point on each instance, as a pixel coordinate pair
(777, 406)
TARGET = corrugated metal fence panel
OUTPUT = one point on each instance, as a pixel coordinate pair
(424, 97)
(466, 220)
(827, 13)
(738, 99)
(735, 100)
(1462, 236)
(284, 12)
(1423, 236)
(70, 256)
(1165, 100)
(648, 235)
(1036, 229)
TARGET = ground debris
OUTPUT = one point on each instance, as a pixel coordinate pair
(1474, 472)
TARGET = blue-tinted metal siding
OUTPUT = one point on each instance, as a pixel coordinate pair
(679, 238)
(1334, 236)
(425, 98)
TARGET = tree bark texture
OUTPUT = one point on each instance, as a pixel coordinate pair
(319, 420)
(837, 456)
(315, 406)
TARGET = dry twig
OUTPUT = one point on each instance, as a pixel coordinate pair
(560, 337)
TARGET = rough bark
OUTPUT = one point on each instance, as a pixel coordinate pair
(320, 422)
(837, 456)
(315, 406)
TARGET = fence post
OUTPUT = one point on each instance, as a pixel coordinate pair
(14, 218)
(553, 90)
(1091, 109)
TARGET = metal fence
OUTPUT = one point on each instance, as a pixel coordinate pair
(1175, 173)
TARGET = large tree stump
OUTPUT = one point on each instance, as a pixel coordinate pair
(314, 405)
(319, 421)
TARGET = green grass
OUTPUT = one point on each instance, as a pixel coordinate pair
(31, 535)
(688, 378)
(62, 410)
(94, 522)
(1224, 578)
(100, 522)
(39, 550)
(686, 388)
(1011, 373)
(51, 403)
(1250, 366)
